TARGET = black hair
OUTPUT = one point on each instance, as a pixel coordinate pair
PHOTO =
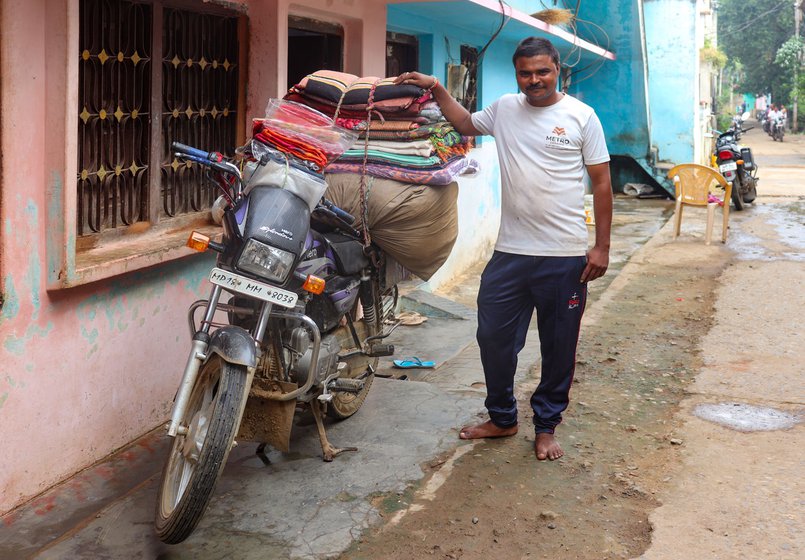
(535, 46)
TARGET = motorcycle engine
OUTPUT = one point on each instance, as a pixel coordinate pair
(326, 364)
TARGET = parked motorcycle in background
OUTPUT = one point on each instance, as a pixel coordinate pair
(736, 164)
(737, 124)
(308, 306)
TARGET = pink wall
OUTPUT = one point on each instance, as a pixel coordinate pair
(84, 371)
(364, 23)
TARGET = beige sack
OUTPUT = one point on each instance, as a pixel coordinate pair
(416, 224)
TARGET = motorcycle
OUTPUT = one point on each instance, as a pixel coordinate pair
(737, 124)
(763, 118)
(736, 164)
(309, 304)
(777, 128)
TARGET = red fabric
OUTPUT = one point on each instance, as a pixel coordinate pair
(306, 150)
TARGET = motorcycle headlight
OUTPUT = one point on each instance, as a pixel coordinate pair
(265, 261)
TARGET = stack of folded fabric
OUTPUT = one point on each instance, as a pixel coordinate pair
(404, 134)
(301, 133)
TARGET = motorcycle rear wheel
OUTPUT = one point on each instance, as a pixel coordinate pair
(196, 459)
(345, 405)
(751, 193)
(736, 196)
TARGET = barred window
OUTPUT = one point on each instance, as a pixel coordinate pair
(151, 74)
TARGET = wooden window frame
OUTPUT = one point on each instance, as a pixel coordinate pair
(125, 249)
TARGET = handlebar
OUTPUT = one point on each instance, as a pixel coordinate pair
(342, 214)
(194, 153)
(213, 160)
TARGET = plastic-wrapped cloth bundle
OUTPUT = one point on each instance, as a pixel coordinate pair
(302, 132)
(416, 224)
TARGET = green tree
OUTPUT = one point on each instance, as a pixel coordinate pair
(752, 31)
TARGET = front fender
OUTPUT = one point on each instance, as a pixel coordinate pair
(234, 345)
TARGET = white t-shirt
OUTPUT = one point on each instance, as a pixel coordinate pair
(542, 153)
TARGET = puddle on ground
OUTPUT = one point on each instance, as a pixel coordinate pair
(745, 417)
(786, 219)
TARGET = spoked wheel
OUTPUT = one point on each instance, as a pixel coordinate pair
(736, 196)
(344, 404)
(197, 457)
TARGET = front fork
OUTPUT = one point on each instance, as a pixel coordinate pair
(198, 354)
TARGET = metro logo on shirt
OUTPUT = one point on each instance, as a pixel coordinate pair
(558, 131)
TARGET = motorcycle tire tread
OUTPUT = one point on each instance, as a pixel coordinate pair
(223, 428)
(737, 200)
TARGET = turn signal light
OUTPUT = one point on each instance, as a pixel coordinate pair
(313, 284)
(740, 162)
(198, 241)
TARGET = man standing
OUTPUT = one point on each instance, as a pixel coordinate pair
(545, 140)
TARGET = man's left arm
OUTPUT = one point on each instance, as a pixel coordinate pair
(598, 256)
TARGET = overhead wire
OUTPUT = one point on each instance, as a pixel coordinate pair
(599, 61)
(472, 68)
(754, 19)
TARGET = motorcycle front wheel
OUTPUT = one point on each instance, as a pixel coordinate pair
(198, 457)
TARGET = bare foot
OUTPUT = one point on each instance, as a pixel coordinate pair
(546, 447)
(486, 430)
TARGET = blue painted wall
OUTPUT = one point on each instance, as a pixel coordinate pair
(673, 58)
(617, 89)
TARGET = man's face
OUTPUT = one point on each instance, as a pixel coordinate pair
(536, 78)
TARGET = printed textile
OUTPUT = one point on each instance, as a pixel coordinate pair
(405, 108)
(434, 177)
(377, 156)
(331, 85)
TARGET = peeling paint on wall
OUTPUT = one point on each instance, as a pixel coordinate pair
(16, 345)
(11, 303)
(33, 275)
(54, 249)
(91, 336)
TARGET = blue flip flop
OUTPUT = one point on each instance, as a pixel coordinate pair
(414, 362)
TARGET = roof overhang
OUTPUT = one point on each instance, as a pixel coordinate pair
(484, 16)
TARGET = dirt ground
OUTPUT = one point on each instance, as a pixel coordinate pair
(634, 362)
(638, 353)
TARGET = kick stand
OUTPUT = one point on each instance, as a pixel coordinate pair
(328, 450)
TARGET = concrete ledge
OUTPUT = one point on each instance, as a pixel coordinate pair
(431, 305)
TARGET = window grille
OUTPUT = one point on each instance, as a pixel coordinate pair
(199, 101)
(196, 66)
(114, 74)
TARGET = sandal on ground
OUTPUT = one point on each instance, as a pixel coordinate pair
(410, 318)
(414, 362)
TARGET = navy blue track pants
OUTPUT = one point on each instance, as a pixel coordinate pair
(512, 286)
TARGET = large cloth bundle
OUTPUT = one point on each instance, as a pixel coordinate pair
(404, 134)
(416, 224)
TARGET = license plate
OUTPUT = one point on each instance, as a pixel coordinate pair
(729, 166)
(246, 286)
